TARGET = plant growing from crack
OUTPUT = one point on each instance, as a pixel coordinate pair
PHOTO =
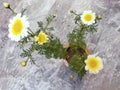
(46, 43)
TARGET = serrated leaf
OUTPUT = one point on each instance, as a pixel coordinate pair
(77, 65)
(40, 24)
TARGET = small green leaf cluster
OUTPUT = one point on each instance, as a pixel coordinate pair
(77, 64)
(52, 49)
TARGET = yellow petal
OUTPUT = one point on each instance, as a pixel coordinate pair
(36, 38)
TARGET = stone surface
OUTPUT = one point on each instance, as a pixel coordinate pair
(51, 74)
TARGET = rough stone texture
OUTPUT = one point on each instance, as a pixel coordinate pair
(53, 74)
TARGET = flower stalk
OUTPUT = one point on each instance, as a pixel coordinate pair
(7, 6)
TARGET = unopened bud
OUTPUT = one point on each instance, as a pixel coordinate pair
(23, 63)
(71, 11)
(54, 15)
(99, 17)
(6, 5)
(71, 77)
(82, 23)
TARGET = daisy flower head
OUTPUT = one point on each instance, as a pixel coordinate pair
(41, 38)
(93, 64)
(18, 27)
(88, 17)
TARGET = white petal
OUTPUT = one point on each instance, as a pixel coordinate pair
(86, 68)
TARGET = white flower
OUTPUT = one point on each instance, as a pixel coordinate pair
(18, 27)
(88, 17)
(93, 64)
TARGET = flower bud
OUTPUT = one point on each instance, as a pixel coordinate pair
(71, 11)
(23, 63)
(54, 15)
(6, 5)
(82, 24)
(99, 17)
(71, 77)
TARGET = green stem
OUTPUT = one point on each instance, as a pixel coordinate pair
(32, 33)
(46, 26)
(48, 23)
(12, 11)
(74, 13)
(27, 59)
(82, 67)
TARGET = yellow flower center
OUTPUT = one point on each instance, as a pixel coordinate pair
(88, 17)
(93, 63)
(17, 27)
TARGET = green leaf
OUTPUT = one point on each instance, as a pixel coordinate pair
(23, 11)
(51, 28)
(77, 64)
(40, 24)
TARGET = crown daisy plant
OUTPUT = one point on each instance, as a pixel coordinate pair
(75, 53)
